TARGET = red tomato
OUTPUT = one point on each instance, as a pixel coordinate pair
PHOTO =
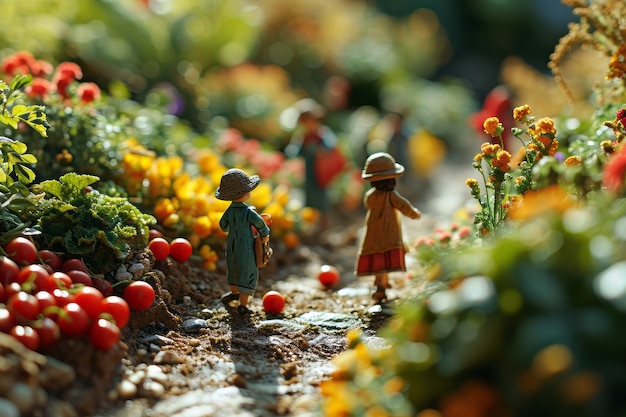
(12, 288)
(23, 251)
(2, 294)
(180, 249)
(63, 297)
(7, 321)
(73, 320)
(328, 275)
(116, 308)
(103, 285)
(80, 277)
(36, 276)
(104, 334)
(8, 270)
(74, 264)
(50, 258)
(61, 280)
(139, 295)
(23, 305)
(47, 304)
(48, 332)
(26, 335)
(160, 248)
(89, 299)
(273, 302)
(154, 233)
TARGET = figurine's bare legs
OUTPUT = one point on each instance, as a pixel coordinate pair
(243, 299)
(381, 281)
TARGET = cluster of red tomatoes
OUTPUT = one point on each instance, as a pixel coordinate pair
(43, 297)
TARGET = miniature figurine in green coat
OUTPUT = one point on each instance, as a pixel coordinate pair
(242, 271)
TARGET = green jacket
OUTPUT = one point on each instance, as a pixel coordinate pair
(238, 221)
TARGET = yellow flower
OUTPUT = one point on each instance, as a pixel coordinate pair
(471, 182)
(478, 157)
(551, 198)
(491, 126)
(521, 113)
(573, 161)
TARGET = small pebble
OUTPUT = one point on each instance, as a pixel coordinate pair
(194, 325)
(8, 409)
(167, 357)
(126, 389)
(186, 300)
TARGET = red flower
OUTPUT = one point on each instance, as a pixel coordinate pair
(39, 88)
(40, 68)
(88, 92)
(615, 171)
(69, 70)
(621, 116)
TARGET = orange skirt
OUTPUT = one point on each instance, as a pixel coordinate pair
(390, 261)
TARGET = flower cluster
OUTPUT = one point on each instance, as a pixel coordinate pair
(48, 80)
(504, 185)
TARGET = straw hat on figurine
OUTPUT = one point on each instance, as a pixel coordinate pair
(235, 183)
(381, 166)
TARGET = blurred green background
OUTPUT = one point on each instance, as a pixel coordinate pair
(242, 63)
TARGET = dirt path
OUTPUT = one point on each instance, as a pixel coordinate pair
(220, 364)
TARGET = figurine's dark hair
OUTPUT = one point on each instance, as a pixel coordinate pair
(385, 185)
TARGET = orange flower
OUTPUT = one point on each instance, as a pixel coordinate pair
(521, 113)
(501, 161)
(492, 126)
(572, 161)
(617, 65)
(489, 148)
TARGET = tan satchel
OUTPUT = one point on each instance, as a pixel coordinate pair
(262, 251)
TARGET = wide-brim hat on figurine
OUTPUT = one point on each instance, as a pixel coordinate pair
(381, 166)
(235, 183)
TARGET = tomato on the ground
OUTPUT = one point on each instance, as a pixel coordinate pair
(8, 270)
(116, 308)
(22, 250)
(48, 331)
(74, 264)
(26, 335)
(73, 320)
(51, 259)
(89, 298)
(160, 248)
(104, 334)
(181, 249)
(273, 302)
(35, 277)
(23, 305)
(139, 295)
(80, 277)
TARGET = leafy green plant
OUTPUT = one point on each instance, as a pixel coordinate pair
(15, 163)
(83, 222)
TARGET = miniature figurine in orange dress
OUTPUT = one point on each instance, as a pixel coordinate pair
(382, 249)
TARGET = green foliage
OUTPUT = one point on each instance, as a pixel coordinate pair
(101, 229)
(15, 163)
(522, 320)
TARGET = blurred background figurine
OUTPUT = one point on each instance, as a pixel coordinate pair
(382, 249)
(242, 271)
(312, 140)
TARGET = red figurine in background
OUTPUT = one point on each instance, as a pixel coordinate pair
(382, 249)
